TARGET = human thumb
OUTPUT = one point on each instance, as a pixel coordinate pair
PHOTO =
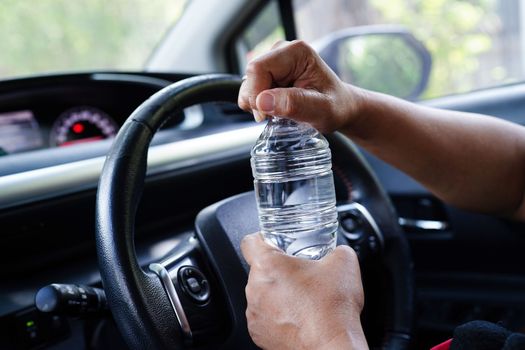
(254, 248)
(295, 103)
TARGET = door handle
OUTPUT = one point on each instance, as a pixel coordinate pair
(423, 225)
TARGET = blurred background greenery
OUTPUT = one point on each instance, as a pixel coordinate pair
(62, 35)
(474, 44)
(458, 34)
(365, 62)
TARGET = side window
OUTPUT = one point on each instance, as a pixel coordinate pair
(469, 44)
(259, 36)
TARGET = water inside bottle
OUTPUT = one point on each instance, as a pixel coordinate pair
(292, 168)
(298, 216)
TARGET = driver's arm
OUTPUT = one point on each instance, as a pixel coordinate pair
(295, 303)
(472, 161)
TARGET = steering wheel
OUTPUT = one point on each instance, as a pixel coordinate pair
(194, 297)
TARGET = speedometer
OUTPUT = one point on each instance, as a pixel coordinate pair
(82, 124)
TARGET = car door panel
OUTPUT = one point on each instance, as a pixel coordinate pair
(475, 268)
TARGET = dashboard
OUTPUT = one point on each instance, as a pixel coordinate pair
(76, 109)
(21, 131)
(58, 119)
(55, 132)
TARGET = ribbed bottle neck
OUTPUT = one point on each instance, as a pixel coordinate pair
(288, 150)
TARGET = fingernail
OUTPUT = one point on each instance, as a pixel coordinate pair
(259, 117)
(266, 102)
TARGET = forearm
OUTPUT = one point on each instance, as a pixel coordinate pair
(471, 161)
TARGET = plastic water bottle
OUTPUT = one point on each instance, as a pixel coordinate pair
(294, 186)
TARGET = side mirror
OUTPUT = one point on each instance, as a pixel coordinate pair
(387, 59)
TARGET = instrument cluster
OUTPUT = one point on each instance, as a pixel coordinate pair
(23, 130)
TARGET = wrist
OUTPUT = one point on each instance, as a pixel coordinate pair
(357, 100)
(347, 340)
(348, 337)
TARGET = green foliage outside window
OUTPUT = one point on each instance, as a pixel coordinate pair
(458, 33)
(61, 35)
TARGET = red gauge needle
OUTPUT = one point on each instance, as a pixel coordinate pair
(76, 142)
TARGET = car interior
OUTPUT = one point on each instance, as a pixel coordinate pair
(124, 193)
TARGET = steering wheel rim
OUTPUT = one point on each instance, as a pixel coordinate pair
(396, 257)
(136, 297)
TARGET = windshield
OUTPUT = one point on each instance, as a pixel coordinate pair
(63, 35)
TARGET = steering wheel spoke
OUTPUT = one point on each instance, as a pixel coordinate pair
(193, 292)
(360, 229)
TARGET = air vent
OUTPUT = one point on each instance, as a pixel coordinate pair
(421, 214)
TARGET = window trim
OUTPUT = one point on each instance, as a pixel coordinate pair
(287, 20)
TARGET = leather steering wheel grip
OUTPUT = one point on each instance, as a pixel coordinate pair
(136, 298)
(397, 260)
